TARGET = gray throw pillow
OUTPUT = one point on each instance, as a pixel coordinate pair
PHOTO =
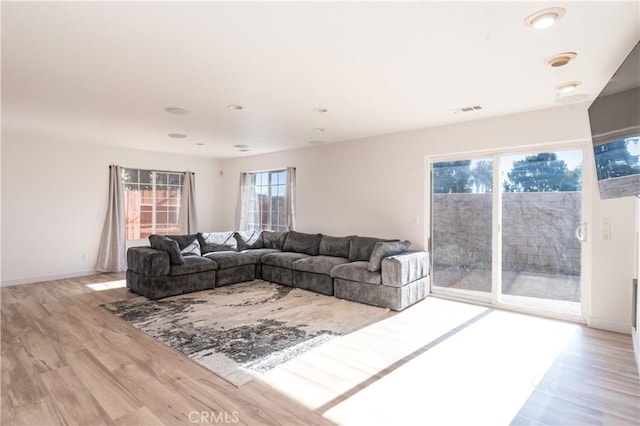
(192, 249)
(160, 242)
(382, 250)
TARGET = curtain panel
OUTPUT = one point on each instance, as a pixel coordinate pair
(188, 222)
(112, 252)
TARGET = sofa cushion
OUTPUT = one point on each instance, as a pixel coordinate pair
(318, 264)
(273, 240)
(193, 249)
(258, 253)
(282, 260)
(382, 250)
(217, 241)
(362, 247)
(248, 240)
(183, 240)
(334, 246)
(230, 259)
(299, 242)
(164, 243)
(356, 271)
(193, 265)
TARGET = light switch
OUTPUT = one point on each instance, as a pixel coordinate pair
(606, 235)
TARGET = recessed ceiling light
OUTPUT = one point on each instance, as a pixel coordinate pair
(199, 143)
(235, 107)
(177, 135)
(243, 150)
(318, 129)
(177, 110)
(568, 87)
(320, 110)
(241, 146)
(544, 18)
(315, 142)
(561, 59)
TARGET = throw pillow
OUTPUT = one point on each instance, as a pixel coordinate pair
(382, 250)
(192, 249)
(160, 242)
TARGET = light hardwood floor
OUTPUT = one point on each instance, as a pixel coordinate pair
(65, 360)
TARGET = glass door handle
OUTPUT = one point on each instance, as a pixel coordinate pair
(581, 232)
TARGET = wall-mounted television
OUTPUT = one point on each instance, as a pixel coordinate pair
(615, 128)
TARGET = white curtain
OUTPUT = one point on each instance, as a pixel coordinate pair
(244, 200)
(112, 256)
(188, 208)
(291, 198)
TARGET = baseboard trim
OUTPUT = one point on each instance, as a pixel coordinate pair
(609, 325)
(37, 279)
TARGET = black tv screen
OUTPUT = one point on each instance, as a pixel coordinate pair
(615, 130)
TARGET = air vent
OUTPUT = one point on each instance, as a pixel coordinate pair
(561, 59)
(467, 109)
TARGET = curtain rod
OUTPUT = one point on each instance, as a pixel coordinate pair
(151, 170)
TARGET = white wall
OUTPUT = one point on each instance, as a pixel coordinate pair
(54, 201)
(376, 187)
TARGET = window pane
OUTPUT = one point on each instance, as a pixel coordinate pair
(145, 176)
(174, 179)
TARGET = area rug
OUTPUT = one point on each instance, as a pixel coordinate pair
(243, 330)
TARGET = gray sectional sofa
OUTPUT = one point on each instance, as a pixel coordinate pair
(361, 269)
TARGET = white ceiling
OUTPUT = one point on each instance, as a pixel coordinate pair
(103, 72)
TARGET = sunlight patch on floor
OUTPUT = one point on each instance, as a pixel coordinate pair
(109, 285)
(447, 363)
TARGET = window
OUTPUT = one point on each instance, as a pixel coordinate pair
(151, 202)
(267, 201)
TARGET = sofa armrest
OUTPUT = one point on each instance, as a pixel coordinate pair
(148, 261)
(401, 269)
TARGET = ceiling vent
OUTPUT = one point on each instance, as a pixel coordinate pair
(467, 109)
(561, 59)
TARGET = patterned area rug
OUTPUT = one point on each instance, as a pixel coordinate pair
(243, 330)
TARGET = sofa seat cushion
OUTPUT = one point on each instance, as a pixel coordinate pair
(282, 260)
(258, 253)
(318, 264)
(193, 265)
(231, 259)
(356, 271)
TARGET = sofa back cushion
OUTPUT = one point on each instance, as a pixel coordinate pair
(382, 250)
(247, 240)
(273, 240)
(164, 243)
(189, 245)
(217, 241)
(299, 242)
(362, 247)
(334, 246)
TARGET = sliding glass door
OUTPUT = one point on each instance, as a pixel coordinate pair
(507, 229)
(461, 218)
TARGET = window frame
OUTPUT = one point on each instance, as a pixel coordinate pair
(155, 185)
(256, 209)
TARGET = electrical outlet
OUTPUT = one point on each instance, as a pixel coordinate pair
(606, 235)
(83, 257)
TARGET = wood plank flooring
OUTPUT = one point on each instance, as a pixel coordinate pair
(65, 360)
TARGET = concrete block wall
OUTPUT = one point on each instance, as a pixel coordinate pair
(538, 231)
